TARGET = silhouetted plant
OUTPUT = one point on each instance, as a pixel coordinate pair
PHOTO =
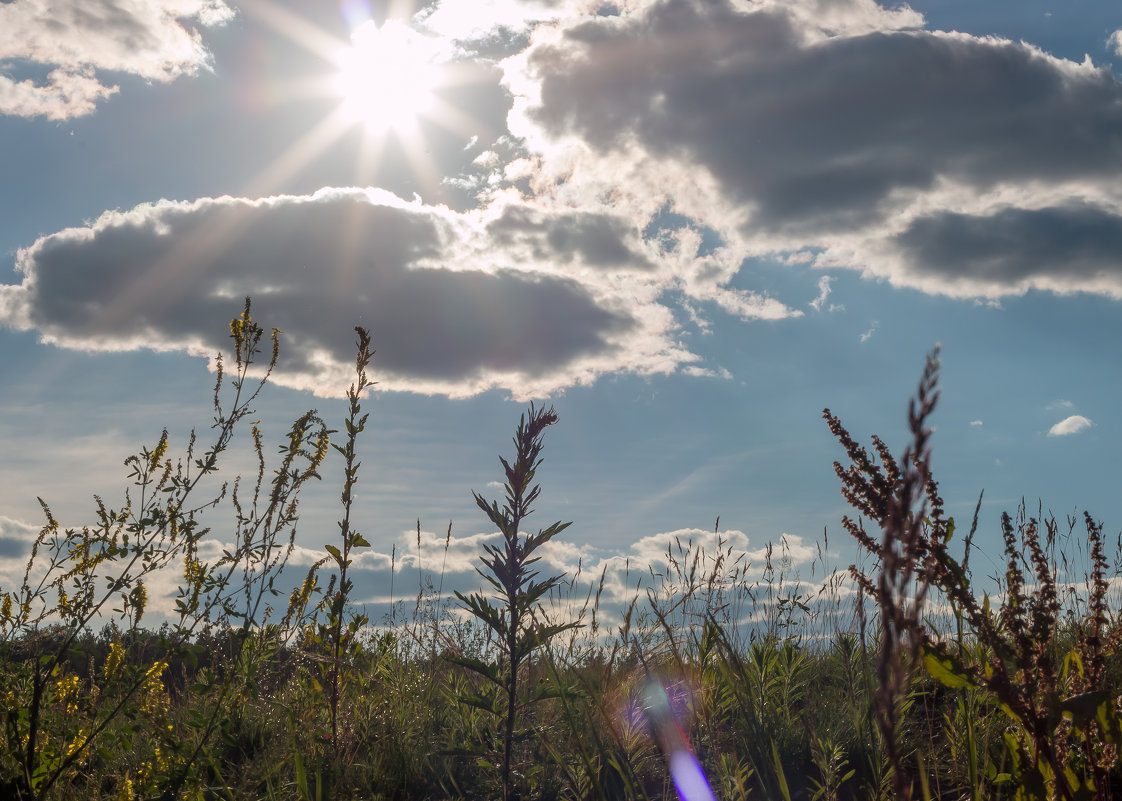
(342, 632)
(1064, 727)
(511, 612)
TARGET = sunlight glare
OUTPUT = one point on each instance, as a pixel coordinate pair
(388, 76)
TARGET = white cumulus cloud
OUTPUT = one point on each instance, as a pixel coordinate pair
(78, 42)
(1069, 425)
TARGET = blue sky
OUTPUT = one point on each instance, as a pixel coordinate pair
(689, 225)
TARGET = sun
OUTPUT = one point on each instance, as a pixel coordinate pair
(388, 77)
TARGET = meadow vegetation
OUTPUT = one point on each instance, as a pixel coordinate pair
(896, 679)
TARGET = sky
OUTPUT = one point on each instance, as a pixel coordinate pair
(688, 225)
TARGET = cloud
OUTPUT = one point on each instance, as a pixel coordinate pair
(597, 240)
(663, 566)
(844, 128)
(15, 541)
(823, 293)
(455, 307)
(867, 335)
(976, 423)
(1069, 425)
(1115, 41)
(1063, 249)
(485, 20)
(77, 42)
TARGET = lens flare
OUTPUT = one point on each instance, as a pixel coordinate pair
(686, 772)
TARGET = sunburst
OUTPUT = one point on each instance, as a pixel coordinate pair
(388, 77)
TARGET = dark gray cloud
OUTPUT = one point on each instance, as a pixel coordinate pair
(16, 538)
(1016, 247)
(594, 239)
(823, 132)
(833, 136)
(448, 310)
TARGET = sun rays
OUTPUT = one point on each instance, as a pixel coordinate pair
(388, 77)
(390, 82)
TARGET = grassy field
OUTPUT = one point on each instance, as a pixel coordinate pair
(714, 685)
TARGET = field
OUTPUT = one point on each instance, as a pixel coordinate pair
(893, 680)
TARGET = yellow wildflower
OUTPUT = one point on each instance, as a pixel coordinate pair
(125, 791)
(67, 690)
(113, 659)
(154, 700)
(139, 598)
(158, 453)
(78, 741)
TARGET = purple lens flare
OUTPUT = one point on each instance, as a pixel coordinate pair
(686, 772)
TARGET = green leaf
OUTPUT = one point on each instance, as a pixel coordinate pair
(488, 702)
(487, 671)
(947, 669)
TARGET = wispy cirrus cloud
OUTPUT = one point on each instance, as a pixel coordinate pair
(78, 43)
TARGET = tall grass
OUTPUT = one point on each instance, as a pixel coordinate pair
(717, 679)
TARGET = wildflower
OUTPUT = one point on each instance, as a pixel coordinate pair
(67, 690)
(153, 698)
(139, 599)
(158, 453)
(77, 743)
(125, 791)
(299, 597)
(113, 659)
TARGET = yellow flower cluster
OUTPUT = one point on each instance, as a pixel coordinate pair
(298, 600)
(139, 599)
(158, 453)
(67, 690)
(125, 791)
(81, 559)
(78, 742)
(113, 659)
(152, 768)
(193, 575)
(154, 700)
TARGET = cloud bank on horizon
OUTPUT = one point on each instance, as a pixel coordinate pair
(635, 183)
(668, 564)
